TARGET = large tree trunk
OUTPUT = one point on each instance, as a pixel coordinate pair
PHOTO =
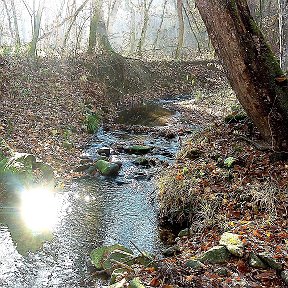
(251, 67)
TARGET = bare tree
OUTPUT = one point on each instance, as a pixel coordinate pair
(72, 21)
(160, 25)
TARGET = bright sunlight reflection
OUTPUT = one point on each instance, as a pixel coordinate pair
(39, 208)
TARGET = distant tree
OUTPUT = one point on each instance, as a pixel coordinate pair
(160, 25)
(146, 8)
(14, 31)
(252, 69)
(97, 30)
(72, 21)
(36, 17)
(180, 29)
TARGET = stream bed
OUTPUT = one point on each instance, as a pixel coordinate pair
(91, 212)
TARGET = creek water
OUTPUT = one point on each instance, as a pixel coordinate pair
(92, 211)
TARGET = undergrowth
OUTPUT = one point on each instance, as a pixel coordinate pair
(202, 191)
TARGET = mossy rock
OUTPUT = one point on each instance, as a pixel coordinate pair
(256, 262)
(194, 264)
(141, 161)
(184, 232)
(107, 168)
(118, 256)
(270, 261)
(217, 254)
(138, 149)
(171, 251)
(221, 271)
(100, 254)
(27, 160)
(233, 243)
(67, 145)
(120, 284)
(136, 283)
(146, 259)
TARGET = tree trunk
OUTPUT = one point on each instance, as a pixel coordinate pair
(98, 31)
(251, 67)
(283, 33)
(160, 26)
(180, 29)
(16, 28)
(37, 17)
(144, 27)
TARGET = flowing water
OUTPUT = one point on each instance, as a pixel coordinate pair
(93, 211)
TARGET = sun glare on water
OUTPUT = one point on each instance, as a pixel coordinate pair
(39, 208)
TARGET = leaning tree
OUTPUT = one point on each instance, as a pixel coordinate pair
(252, 69)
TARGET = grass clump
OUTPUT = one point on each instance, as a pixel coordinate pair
(92, 122)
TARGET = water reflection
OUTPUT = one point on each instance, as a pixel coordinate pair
(39, 209)
(32, 220)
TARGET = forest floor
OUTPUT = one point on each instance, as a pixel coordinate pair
(234, 186)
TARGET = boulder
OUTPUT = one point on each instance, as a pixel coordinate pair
(233, 243)
(217, 254)
(270, 261)
(256, 262)
(100, 254)
(26, 159)
(138, 149)
(104, 151)
(107, 168)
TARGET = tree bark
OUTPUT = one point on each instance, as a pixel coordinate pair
(180, 29)
(252, 69)
(283, 33)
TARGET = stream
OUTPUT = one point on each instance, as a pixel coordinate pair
(91, 212)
